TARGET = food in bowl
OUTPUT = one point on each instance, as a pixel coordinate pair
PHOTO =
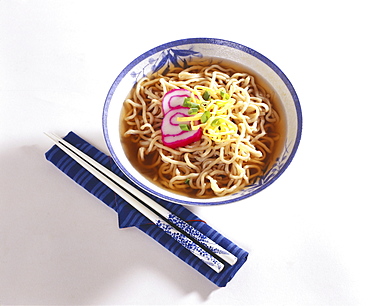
(206, 130)
(177, 146)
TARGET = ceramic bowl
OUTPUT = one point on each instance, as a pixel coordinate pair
(180, 51)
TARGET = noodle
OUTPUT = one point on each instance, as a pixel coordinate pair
(212, 166)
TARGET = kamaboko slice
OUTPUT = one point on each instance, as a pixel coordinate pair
(172, 134)
(174, 98)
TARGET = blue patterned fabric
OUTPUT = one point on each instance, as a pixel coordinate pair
(128, 216)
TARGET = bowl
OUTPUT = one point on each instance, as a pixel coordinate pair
(181, 51)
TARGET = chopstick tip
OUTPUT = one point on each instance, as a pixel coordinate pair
(47, 134)
(51, 136)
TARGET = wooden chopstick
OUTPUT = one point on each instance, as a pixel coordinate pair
(201, 246)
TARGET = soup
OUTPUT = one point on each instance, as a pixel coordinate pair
(235, 115)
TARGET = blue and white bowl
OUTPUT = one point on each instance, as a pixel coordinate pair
(174, 53)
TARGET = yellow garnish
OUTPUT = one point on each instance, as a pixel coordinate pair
(214, 115)
(191, 118)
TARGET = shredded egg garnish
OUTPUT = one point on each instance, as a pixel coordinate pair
(211, 110)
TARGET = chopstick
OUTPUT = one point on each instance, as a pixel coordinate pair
(197, 243)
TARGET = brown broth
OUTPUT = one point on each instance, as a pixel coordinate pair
(131, 148)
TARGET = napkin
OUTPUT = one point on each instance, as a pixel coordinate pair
(128, 216)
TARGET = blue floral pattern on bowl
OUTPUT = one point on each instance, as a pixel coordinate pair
(167, 58)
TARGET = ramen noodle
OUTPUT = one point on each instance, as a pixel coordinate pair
(234, 149)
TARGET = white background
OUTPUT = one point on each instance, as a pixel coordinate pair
(307, 234)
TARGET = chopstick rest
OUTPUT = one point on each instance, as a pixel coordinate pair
(128, 216)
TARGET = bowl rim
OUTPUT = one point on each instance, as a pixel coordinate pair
(213, 41)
